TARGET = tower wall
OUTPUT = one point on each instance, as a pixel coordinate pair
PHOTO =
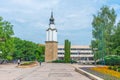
(51, 51)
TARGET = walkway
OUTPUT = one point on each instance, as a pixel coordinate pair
(48, 71)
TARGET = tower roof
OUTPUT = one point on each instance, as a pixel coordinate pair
(51, 19)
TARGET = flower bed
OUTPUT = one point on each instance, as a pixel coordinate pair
(106, 70)
(28, 64)
(115, 68)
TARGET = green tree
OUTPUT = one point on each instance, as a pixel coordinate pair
(94, 44)
(67, 48)
(103, 25)
(116, 40)
(27, 50)
(6, 40)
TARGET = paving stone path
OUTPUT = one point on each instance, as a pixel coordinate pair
(48, 71)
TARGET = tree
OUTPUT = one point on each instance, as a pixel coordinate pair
(116, 40)
(103, 24)
(6, 40)
(67, 48)
(27, 50)
(95, 50)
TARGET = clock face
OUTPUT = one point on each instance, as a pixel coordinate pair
(52, 26)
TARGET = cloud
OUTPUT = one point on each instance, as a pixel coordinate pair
(115, 6)
(4, 10)
(20, 20)
(35, 4)
(72, 18)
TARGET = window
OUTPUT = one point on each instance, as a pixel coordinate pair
(60, 53)
(60, 48)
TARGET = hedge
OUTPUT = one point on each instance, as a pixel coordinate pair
(112, 60)
(63, 61)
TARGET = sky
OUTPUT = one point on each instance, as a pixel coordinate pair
(73, 18)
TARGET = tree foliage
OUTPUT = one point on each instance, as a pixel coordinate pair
(67, 48)
(106, 35)
(116, 40)
(6, 40)
(27, 50)
(14, 48)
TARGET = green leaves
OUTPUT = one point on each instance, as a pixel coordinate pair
(14, 48)
(67, 48)
(106, 36)
(27, 50)
(6, 40)
(116, 40)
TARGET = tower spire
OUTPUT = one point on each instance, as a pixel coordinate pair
(51, 18)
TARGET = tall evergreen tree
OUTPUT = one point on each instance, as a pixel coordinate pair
(67, 48)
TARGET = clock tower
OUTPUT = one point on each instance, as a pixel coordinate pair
(51, 45)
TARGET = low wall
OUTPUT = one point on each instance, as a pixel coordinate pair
(89, 75)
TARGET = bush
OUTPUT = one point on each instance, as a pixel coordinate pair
(62, 61)
(58, 61)
(73, 61)
(112, 60)
(118, 69)
(110, 67)
(118, 66)
(115, 68)
(9, 57)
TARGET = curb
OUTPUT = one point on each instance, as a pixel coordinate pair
(89, 75)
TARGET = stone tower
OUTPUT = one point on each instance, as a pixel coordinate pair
(51, 46)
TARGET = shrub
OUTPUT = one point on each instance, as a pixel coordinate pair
(118, 66)
(115, 68)
(112, 60)
(110, 67)
(58, 61)
(118, 69)
(63, 61)
(73, 61)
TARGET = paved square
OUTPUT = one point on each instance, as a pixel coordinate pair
(48, 71)
(60, 75)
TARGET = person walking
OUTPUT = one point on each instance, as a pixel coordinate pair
(18, 62)
(40, 62)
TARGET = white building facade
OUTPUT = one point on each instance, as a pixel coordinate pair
(81, 54)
